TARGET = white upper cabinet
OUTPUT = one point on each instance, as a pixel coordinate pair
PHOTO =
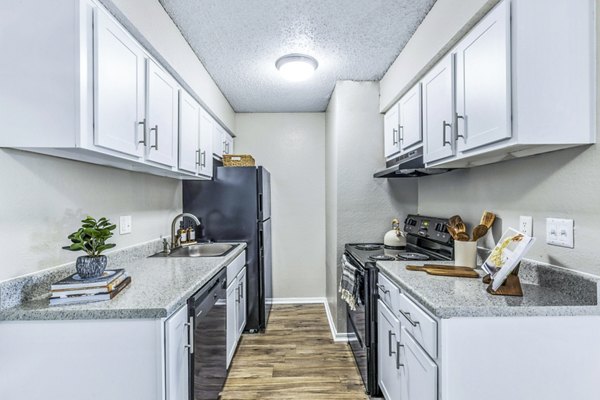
(438, 111)
(161, 129)
(100, 97)
(206, 144)
(410, 112)
(222, 141)
(189, 133)
(483, 82)
(391, 135)
(119, 65)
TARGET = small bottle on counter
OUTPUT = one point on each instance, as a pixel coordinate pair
(182, 234)
(191, 234)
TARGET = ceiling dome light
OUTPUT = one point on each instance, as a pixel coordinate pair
(296, 67)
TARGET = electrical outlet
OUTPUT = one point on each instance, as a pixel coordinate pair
(125, 224)
(526, 225)
(560, 232)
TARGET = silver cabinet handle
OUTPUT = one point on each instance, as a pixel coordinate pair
(394, 132)
(237, 294)
(458, 135)
(155, 129)
(382, 288)
(408, 317)
(198, 157)
(190, 324)
(390, 334)
(224, 147)
(398, 363)
(444, 126)
(241, 286)
(401, 133)
(203, 154)
(143, 124)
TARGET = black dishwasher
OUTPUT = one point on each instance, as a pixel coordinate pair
(208, 357)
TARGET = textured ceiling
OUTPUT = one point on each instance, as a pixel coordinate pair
(238, 41)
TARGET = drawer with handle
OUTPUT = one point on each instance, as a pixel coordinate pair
(388, 292)
(421, 326)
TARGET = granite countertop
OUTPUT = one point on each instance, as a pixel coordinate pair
(159, 286)
(547, 291)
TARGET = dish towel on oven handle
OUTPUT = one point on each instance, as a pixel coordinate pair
(348, 286)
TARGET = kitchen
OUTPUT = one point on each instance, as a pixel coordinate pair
(322, 141)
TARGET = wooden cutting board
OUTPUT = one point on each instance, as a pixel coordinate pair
(445, 270)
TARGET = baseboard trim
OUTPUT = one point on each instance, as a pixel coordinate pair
(299, 300)
(337, 336)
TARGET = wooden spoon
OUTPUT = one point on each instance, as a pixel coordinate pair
(462, 237)
(461, 227)
(488, 219)
(479, 231)
(452, 232)
(454, 220)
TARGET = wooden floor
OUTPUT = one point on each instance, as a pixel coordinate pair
(295, 358)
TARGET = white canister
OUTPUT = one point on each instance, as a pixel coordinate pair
(465, 254)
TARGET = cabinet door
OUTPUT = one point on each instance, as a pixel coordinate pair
(206, 144)
(227, 143)
(118, 89)
(177, 355)
(218, 145)
(411, 126)
(161, 111)
(388, 365)
(438, 111)
(189, 133)
(483, 111)
(241, 315)
(420, 372)
(232, 301)
(391, 136)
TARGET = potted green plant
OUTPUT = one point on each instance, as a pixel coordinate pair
(91, 238)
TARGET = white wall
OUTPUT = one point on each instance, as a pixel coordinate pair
(151, 24)
(360, 208)
(44, 198)
(292, 148)
(444, 25)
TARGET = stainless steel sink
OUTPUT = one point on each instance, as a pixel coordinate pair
(200, 250)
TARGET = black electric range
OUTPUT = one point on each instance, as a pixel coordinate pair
(427, 239)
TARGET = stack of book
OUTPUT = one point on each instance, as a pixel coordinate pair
(74, 289)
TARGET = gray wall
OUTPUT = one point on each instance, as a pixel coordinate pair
(359, 208)
(44, 198)
(561, 184)
(292, 147)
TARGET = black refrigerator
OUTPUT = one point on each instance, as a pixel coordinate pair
(236, 206)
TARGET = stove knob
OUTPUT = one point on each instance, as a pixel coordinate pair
(423, 232)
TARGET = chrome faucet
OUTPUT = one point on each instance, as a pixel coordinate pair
(173, 238)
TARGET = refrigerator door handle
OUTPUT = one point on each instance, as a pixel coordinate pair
(260, 205)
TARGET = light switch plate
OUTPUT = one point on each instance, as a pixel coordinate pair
(526, 225)
(560, 232)
(125, 224)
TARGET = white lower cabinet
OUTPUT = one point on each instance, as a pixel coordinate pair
(236, 304)
(177, 337)
(388, 339)
(419, 377)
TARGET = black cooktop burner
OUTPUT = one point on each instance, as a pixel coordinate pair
(382, 257)
(412, 256)
(368, 247)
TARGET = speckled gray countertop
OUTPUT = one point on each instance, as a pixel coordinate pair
(159, 286)
(547, 291)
